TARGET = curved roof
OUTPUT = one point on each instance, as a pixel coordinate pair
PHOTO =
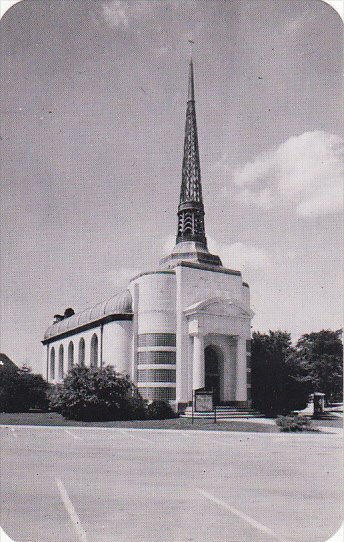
(118, 304)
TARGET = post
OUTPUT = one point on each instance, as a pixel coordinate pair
(101, 344)
(241, 386)
(198, 362)
(192, 408)
(47, 362)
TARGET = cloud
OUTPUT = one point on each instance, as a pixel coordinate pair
(122, 276)
(168, 244)
(236, 256)
(240, 256)
(305, 171)
(118, 13)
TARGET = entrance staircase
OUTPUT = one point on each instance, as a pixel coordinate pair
(224, 413)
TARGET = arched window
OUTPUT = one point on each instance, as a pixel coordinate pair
(61, 362)
(81, 358)
(94, 351)
(70, 355)
(52, 363)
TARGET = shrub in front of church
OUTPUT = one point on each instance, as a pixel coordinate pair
(21, 391)
(293, 423)
(160, 410)
(95, 394)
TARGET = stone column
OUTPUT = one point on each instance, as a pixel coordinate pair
(241, 385)
(198, 379)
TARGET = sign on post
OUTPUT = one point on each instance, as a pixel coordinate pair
(203, 401)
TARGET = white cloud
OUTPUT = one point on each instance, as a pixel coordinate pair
(122, 276)
(239, 255)
(236, 256)
(306, 171)
(168, 244)
(118, 13)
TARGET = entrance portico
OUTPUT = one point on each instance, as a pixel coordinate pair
(218, 331)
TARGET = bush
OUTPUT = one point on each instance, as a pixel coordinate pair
(137, 408)
(21, 391)
(97, 394)
(160, 410)
(293, 423)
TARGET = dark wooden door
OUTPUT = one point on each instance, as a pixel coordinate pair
(212, 372)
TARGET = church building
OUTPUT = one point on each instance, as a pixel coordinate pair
(182, 327)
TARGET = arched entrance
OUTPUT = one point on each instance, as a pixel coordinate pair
(212, 372)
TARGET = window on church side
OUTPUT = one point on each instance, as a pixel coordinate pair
(52, 363)
(81, 358)
(61, 362)
(167, 358)
(94, 351)
(152, 394)
(156, 375)
(70, 355)
(157, 339)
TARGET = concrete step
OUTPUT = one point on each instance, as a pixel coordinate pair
(224, 412)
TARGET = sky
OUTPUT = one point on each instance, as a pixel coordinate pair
(93, 106)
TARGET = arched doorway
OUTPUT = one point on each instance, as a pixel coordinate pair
(212, 372)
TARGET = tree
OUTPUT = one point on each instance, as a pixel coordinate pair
(318, 362)
(91, 393)
(275, 390)
(21, 390)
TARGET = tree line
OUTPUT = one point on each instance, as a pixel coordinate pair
(283, 375)
(282, 378)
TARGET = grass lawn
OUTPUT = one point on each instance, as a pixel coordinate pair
(52, 418)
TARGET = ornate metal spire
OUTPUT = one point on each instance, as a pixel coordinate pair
(191, 210)
(191, 242)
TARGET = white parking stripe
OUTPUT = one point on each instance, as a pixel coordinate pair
(14, 432)
(76, 437)
(241, 515)
(136, 436)
(71, 511)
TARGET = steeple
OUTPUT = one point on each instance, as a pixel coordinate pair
(191, 210)
(191, 242)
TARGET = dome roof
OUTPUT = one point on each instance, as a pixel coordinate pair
(118, 304)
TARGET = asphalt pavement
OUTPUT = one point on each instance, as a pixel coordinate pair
(75, 484)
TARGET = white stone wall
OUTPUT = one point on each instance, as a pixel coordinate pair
(154, 301)
(156, 310)
(117, 338)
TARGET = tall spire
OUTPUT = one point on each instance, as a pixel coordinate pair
(191, 242)
(191, 210)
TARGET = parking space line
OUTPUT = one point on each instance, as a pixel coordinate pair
(76, 437)
(14, 432)
(134, 435)
(71, 511)
(241, 515)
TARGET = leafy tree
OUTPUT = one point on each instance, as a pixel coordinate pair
(91, 393)
(21, 390)
(318, 362)
(275, 390)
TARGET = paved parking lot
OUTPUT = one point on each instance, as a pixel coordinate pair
(79, 484)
